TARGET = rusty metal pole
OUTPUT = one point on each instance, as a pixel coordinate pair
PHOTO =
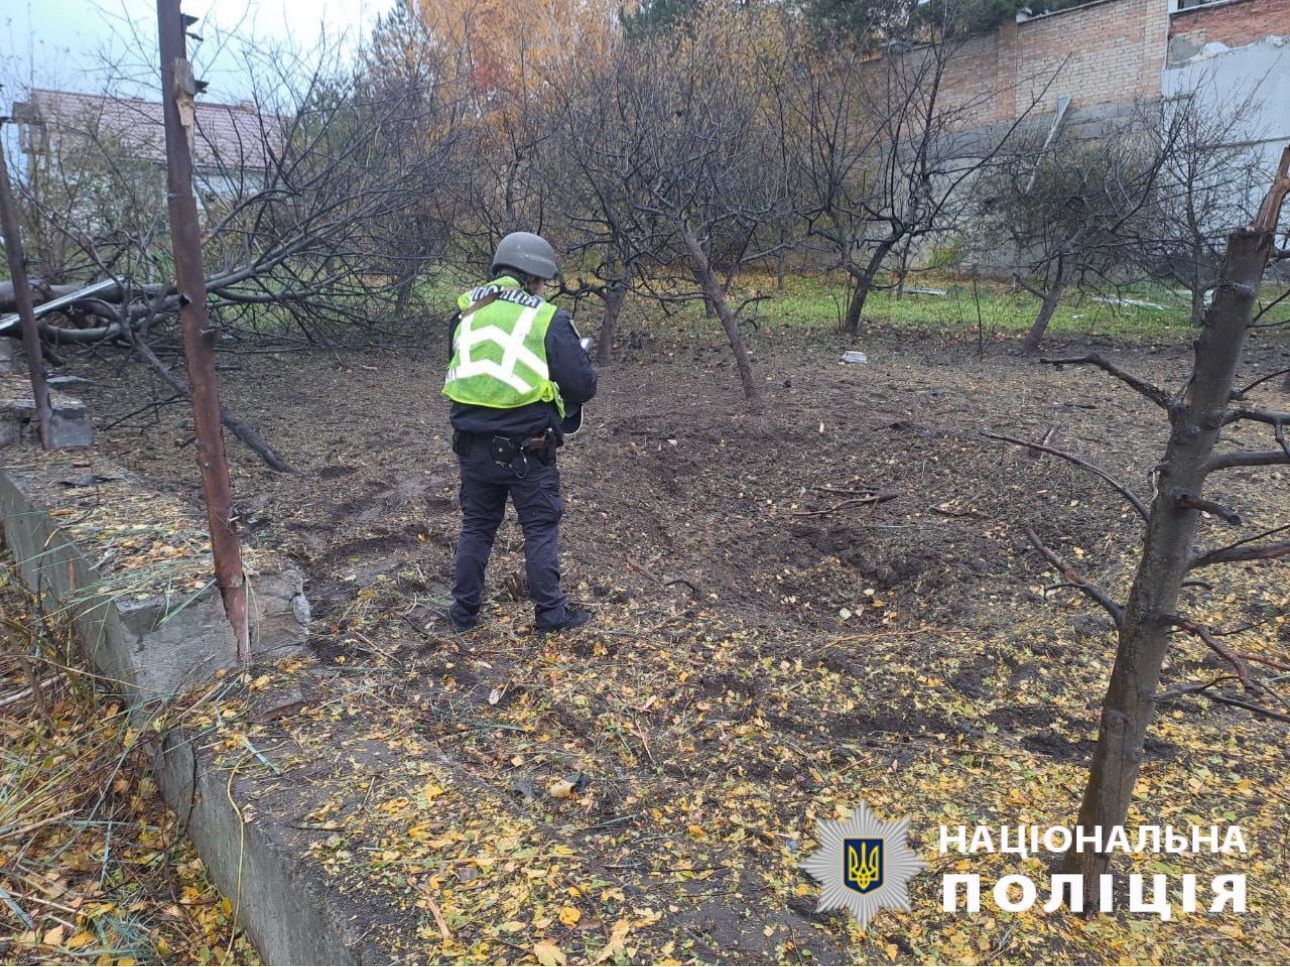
(9, 225)
(178, 89)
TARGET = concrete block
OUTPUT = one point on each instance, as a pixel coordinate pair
(158, 629)
(292, 915)
(70, 426)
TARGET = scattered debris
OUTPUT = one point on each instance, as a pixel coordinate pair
(1120, 301)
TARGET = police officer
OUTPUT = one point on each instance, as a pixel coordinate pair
(517, 363)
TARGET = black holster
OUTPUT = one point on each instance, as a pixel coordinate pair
(512, 452)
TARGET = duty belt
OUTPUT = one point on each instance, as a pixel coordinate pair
(512, 452)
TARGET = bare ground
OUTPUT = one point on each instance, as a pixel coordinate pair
(764, 655)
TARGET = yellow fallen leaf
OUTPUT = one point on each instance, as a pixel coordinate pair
(432, 790)
(548, 954)
(82, 939)
(570, 916)
(53, 937)
(561, 789)
(614, 948)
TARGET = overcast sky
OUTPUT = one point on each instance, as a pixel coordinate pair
(61, 43)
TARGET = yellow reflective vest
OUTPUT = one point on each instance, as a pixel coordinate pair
(499, 349)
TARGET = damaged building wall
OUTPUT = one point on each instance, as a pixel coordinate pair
(1225, 60)
(1109, 58)
(1108, 54)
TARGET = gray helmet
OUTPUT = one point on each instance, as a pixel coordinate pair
(529, 253)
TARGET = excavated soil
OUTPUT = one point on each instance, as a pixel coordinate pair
(770, 644)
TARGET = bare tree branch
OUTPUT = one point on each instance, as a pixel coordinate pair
(1152, 392)
(1203, 632)
(1123, 490)
(1077, 580)
(1245, 550)
(1247, 458)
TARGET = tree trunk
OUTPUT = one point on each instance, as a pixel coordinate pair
(40, 292)
(609, 324)
(1046, 310)
(1146, 625)
(709, 308)
(403, 296)
(703, 271)
(781, 261)
(864, 283)
(1197, 306)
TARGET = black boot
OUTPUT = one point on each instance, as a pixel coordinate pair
(573, 619)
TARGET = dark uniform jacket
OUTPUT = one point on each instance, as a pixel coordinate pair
(570, 368)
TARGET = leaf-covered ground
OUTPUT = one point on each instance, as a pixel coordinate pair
(93, 869)
(765, 653)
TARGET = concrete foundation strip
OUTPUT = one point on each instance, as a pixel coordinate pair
(154, 644)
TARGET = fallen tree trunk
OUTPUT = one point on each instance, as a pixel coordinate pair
(40, 292)
(43, 293)
(121, 322)
(237, 426)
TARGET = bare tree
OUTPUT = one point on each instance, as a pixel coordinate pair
(1148, 621)
(1069, 209)
(300, 216)
(1209, 187)
(590, 163)
(886, 165)
(705, 174)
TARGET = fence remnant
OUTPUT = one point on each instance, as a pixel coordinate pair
(9, 225)
(178, 88)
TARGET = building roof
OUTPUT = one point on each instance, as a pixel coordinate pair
(228, 135)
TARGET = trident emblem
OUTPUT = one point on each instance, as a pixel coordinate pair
(862, 864)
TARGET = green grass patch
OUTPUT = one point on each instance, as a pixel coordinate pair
(812, 301)
(817, 304)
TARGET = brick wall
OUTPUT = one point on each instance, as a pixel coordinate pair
(970, 85)
(1103, 53)
(1232, 24)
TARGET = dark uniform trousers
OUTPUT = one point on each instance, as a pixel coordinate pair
(534, 488)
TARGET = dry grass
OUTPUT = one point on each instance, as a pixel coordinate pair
(93, 867)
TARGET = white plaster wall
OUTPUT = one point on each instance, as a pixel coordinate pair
(1224, 77)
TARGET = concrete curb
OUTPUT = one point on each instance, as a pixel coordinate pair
(157, 630)
(287, 913)
(153, 644)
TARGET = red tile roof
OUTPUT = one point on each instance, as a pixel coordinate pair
(229, 135)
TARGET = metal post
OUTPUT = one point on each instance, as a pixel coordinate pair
(178, 89)
(9, 225)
